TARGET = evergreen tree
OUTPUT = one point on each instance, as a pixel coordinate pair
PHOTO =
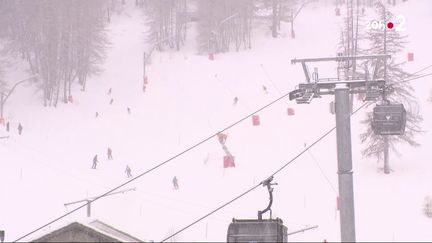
(391, 42)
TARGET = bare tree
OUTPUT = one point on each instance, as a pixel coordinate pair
(224, 23)
(167, 20)
(61, 41)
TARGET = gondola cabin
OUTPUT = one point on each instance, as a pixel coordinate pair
(389, 119)
(255, 230)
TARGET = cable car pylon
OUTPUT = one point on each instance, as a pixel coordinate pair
(388, 119)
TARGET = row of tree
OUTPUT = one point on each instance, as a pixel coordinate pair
(62, 41)
(221, 25)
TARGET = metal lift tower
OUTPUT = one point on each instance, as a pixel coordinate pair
(369, 84)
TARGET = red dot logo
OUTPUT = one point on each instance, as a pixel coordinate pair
(390, 25)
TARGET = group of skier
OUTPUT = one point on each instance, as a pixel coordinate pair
(19, 128)
(128, 170)
(128, 109)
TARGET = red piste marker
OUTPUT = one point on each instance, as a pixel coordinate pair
(390, 25)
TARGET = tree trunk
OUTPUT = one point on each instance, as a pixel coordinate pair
(274, 24)
(386, 156)
(2, 101)
(386, 142)
(292, 26)
(65, 96)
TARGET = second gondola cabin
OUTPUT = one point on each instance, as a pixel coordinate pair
(257, 230)
(389, 119)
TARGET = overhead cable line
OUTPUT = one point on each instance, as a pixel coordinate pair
(261, 183)
(191, 148)
(155, 167)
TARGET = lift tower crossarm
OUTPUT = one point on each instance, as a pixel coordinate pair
(340, 58)
(89, 200)
(341, 89)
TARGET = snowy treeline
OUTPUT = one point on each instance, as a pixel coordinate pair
(167, 20)
(62, 41)
(222, 25)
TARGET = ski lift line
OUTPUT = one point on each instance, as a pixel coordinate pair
(232, 93)
(422, 69)
(316, 141)
(95, 182)
(303, 230)
(410, 79)
(323, 173)
(143, 194)
(269, 79)
(261, 183)
(212, 212)
(157, 166)
(51, 167)
(192, 147)
(407, 80)
(198, 144)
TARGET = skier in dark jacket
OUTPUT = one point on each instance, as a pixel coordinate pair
(111, 101)
(175, 183)
(128, 171)
(109, 153)
(7, 127)
(20, 128)
(235, 101)
(95, 161)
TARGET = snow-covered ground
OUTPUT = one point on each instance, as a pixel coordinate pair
(188, 99)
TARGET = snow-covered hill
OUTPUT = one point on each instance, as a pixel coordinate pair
(189, 98)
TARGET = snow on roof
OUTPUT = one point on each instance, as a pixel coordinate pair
(95, 225)
(111, 231)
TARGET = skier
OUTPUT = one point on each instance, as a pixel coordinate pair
(111, 101)
(109, 91)
(97, 114)
(221, 137)
(144, 88)
(109, 153)
(235, 100)
(206, 159)
(264, 89)
(7, 127)
(20, 128)
(175, 183)
(128, 171)
(128, 110)
(95, 161)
